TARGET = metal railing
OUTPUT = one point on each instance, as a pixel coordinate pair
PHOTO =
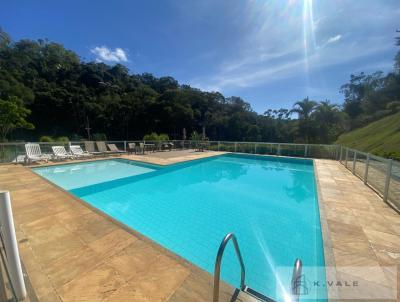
(381, 174)
(296, 280)
(217, 269)
(9, 250)
(15, 152)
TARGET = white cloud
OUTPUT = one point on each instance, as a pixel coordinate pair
(306, 40)
(105, 54)
(334, 39)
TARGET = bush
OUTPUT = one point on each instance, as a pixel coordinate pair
(151, 137)
(99, 137)
(154, 137)
(62, 139)
(195, 136)
(46, 139)
(163, 137)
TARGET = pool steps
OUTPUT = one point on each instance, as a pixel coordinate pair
(296, 275)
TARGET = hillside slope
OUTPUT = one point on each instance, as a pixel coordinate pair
(381, 137)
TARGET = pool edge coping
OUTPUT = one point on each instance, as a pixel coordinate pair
(326, 237)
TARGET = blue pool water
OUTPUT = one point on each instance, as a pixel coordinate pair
(269, 203)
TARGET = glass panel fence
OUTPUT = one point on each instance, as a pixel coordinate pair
(361, 159)
(227, 146)
(245, 147)
(377, 173)
(292, 150)
(212, 146)
(349, 159)
(394, 185)
(322, 151)
(268, 149)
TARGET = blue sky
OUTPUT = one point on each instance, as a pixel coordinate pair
(271, 53)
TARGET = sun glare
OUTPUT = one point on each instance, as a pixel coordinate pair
(309, 43)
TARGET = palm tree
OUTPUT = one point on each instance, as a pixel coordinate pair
(304, 109)
(327, 116)
(326, 112)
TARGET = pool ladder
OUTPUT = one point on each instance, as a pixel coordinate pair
(296, 276)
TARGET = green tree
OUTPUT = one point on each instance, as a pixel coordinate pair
(5, 38)
(329, 120)
(304, 109)
(397, 57)
(12, 116)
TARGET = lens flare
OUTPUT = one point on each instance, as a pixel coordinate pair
(264, 247)
(309, 42)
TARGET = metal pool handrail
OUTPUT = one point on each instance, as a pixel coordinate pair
(296, 280)
(217, 269)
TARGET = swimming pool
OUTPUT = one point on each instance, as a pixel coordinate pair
(269, 203)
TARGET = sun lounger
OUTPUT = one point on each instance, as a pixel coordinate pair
(167, 146)
(33, 153)
(77, 151)
(89, 146)
(114, 148)
(60, 152)
(101, 146)
(132, 147)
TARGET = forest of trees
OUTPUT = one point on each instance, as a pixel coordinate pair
(46, 89)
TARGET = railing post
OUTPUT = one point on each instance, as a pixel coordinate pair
(3, 287)
(305, 150)
(387, 181)
(354, 162)
(341, 152)
(16, 154)
(235, 146)
(10, 246)
(255, 148)
(345, 160)
(218, 145)
(279, 150)
(124, 145)
(366, 170)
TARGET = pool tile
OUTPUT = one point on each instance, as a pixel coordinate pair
(381, 238)
(135, 259)
(44, 230)
(95, 285)
(369, 268)
(112, 243)
(71, 265)
(54, 249)
(162, 278)
(91, 227)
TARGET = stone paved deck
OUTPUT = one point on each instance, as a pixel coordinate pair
(74, 253)
(360, 229)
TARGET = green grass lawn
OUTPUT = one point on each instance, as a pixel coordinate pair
(381, 137)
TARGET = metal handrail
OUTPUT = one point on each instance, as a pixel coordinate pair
(296, 280)
(217, 269)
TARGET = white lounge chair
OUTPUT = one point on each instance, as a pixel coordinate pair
(33, 153)
(114, 148)
(101, 146)
(89, 146)
(132, 148)
(77, 151)
(60, 152)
